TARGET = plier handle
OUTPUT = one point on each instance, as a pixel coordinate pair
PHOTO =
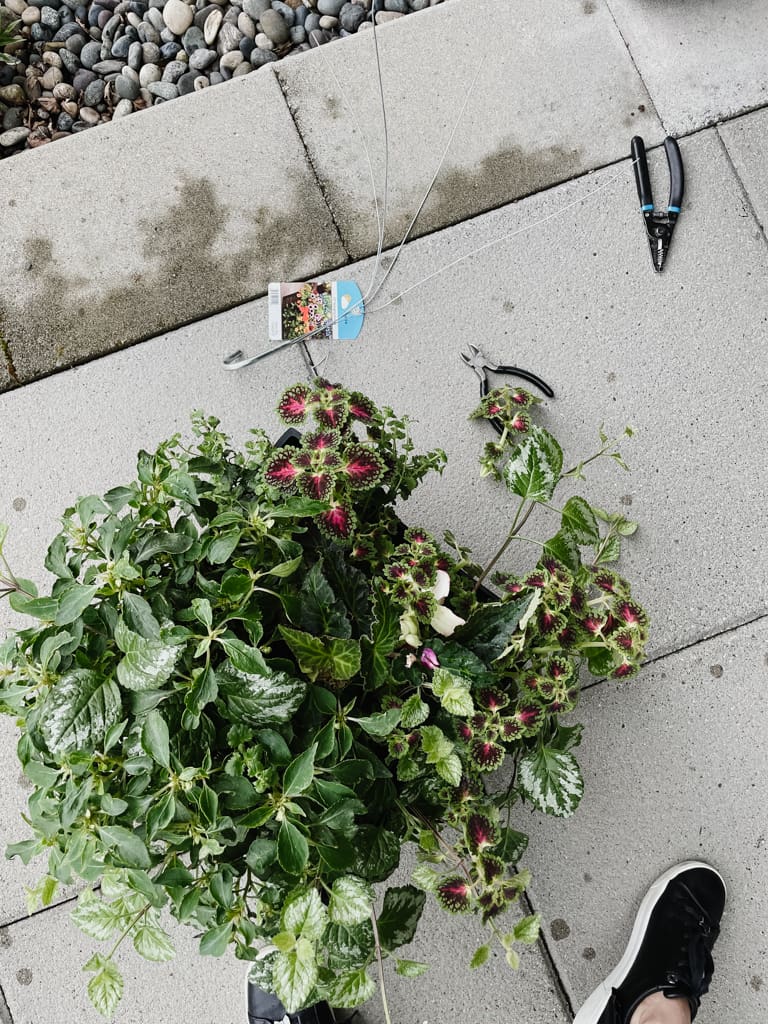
(477, 361)
(659, 226)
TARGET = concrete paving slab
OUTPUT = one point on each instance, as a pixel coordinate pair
(576, 300)
(674, 766)
(150, 222)
(451, 990)
(41, 974)
(701, 62)
(744, 139)
(537, 115)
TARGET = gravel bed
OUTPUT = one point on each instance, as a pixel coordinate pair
(82, 64)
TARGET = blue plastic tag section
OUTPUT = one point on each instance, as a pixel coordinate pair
(324, 309)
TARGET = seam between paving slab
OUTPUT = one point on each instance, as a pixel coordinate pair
(549, 961)
(5, 1012)
(311, 165)
(634, 64)
(744, 193)
(687, 647)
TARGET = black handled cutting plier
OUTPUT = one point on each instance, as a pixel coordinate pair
(659, 226)
(477, 361)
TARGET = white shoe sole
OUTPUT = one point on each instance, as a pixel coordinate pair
(593, 1008)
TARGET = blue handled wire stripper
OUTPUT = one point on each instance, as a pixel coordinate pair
(659, 226)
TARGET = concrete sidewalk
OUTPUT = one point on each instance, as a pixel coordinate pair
(116, 235)
(673, 760)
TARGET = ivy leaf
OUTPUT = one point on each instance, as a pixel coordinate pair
(260, 699)
(399, 916)
(551, 780)
(148, 664)
(534, 470)
(294, 975)
(152, 942)
(105, 988)
(292, 849)
(579, 521)
(300, 772)
(410, 968)
(351, 900)
(155, 738)
(304, 915)
(78, 711)
(327, 655)
(351, 989)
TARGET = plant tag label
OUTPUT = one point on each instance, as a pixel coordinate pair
(298, 308)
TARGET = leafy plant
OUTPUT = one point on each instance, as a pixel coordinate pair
(246, 691)
(8, 37)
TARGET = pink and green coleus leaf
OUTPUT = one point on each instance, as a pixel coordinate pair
(362, 408)
(281, 472)
(316, 483)
(320, 440)
(362, 466)
(338, 522)
(330, 404)
(481, 832)
(294, 404)
(454, 894)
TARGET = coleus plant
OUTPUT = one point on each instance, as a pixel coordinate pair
(251, 685)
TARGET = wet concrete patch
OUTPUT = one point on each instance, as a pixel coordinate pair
(191, 267)
(120, 234)
(532, 117)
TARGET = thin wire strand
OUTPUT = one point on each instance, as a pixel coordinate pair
(497, 241)
(431, 185)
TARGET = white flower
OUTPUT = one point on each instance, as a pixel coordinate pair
(444, 621)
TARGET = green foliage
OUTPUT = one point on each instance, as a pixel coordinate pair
(246, 690)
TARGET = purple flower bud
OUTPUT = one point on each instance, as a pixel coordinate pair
(428, 658)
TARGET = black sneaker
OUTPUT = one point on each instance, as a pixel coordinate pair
(670, 948)
(264, 1008)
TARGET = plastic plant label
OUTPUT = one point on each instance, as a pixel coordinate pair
(333, 309)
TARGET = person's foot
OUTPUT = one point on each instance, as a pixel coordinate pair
(264, 1008)
(669, 954)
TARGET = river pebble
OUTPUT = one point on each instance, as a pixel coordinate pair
(110, 58)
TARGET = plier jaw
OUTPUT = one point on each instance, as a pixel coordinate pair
(659, 226)
(475, 359)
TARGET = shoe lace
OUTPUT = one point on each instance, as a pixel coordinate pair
(693, 970)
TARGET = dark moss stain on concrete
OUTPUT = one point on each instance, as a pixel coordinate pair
(194, 268)
(507, 174)
(589, 6)
(559, 929)
(332, 105)
(756, 982)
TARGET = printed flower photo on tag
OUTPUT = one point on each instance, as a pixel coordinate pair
(322, 309)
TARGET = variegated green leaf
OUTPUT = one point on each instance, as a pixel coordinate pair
(551, 780)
